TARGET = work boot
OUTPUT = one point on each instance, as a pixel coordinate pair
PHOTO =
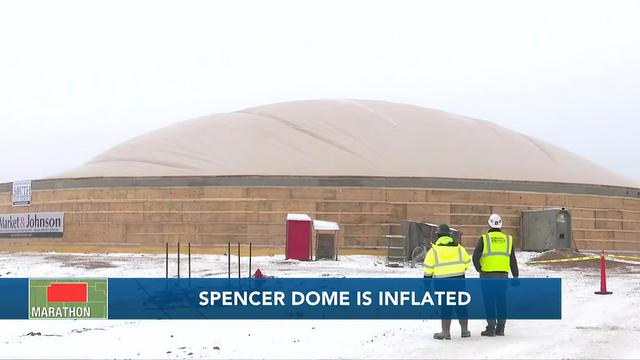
(442, 336)
(464, 325)
(445, 334)
(500, 331)
(488, 332)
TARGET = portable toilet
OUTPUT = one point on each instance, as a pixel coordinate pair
(298, 238)
(546, 229)
(326, 235)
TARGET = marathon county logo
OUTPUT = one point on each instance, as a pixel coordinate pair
(68, 298)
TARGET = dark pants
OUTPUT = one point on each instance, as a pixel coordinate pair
(495, 300)
(447, 311)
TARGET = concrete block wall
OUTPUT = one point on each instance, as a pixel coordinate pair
(211, 216)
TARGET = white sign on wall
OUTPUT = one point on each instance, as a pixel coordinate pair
(32, 225)
(21, 193)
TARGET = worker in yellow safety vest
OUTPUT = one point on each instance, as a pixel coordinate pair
(447, 259)
(494, 258)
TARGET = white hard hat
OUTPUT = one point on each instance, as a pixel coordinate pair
(495, 221)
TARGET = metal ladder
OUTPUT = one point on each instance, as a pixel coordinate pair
(395, 251)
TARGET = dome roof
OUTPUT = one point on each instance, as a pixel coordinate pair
(344, 138)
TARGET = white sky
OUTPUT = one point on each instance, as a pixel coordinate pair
(77, 78)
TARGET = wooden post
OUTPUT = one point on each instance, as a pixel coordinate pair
(339, 235)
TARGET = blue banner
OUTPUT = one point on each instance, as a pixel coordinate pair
(292, 298)
(14, 298)
(382, 298)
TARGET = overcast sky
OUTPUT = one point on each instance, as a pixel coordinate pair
(77, 78)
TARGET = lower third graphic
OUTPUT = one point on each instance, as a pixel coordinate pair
(68, 299)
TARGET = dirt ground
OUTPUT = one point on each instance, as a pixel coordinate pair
(592, 264)
(87, 264)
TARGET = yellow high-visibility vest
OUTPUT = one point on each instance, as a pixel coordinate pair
(496, 252)
(446, 261)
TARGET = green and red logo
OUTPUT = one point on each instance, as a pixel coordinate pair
(68, 299)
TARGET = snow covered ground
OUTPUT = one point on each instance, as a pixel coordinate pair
(592, 326)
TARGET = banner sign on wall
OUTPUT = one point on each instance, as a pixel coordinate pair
(21, 193)
(32, 225)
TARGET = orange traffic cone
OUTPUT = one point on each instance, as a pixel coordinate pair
(603, 277)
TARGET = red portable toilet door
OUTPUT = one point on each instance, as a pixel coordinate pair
(299, 239)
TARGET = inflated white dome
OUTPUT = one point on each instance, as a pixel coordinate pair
(344, 138)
